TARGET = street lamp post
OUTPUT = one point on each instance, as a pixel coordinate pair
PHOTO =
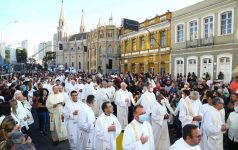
(1, 48)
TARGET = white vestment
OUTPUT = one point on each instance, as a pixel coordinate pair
(21, 114)
(102, 96)
(212, 127)
(111, 93)
(147, 100)
(189, 109)
(28, 107)
(105, 139)
(232, 124)
(71, 88)
(122, 107)
(87, 127)
(205, 108)
(160, 126)
(72, 120)
(57, 123)
(89, 90)
(133, 133)
(182, 145)
(81, 94)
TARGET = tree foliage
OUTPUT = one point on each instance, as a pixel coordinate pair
(21, 55)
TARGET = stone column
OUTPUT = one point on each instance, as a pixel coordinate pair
(146, 67)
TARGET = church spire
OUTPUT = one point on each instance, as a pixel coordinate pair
(99, 23)
(111, 20)
(82, 26)
(62, 12)
(62, 34)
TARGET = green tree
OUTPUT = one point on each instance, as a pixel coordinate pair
(7, 56)
(21, 55)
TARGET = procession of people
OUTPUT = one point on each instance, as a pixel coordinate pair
(148, 111)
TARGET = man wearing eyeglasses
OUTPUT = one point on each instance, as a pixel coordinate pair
(190, 140)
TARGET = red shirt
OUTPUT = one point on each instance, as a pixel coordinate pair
(234, 86)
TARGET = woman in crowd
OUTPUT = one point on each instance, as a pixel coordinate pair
(43, 113)
(7, 125)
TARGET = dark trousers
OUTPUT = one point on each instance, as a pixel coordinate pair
(232, 145)
(43, 120)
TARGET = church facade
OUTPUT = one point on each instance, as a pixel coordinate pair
(94, 51)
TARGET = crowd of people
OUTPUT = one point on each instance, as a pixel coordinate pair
(92, 110)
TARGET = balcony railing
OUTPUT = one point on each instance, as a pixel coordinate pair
(200, 42)
(192, 43)
(207, 41)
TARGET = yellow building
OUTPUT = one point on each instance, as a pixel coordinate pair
(145, 50)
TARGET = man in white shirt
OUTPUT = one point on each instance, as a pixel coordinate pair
(72, 109)
(232, 125)
(138, 135)
(190, 140)
(87, 125)
(214, 126)
(107, 128)
(190, 108)
(123, 101)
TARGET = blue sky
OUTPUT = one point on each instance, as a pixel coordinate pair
(38, 19)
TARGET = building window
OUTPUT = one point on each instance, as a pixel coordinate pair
(142, 42)
(72, 48)
(66, 66)
(101, 34)
(193, 28)
(152, 40)
(126, 45)
(180, 33)
(208, 27)
(79, 65)
(78, 48)
(226, 23)
(163, 39)
(133, 44)
(72, 64)
(179, 66)
(110, 54)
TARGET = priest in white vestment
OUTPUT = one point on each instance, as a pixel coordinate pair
(102, 96)
(107, 128)
(111, 91)
(64, 92)
(190, 140)
(190, 108)
(205, 108)
(81, 90)
(123, 101)
(138, 135)
(89, 88)
(232, 125)
(55, 104)
(159, 124)
(72, 109)
(87, 126)
(147, 100)
(213, 126)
